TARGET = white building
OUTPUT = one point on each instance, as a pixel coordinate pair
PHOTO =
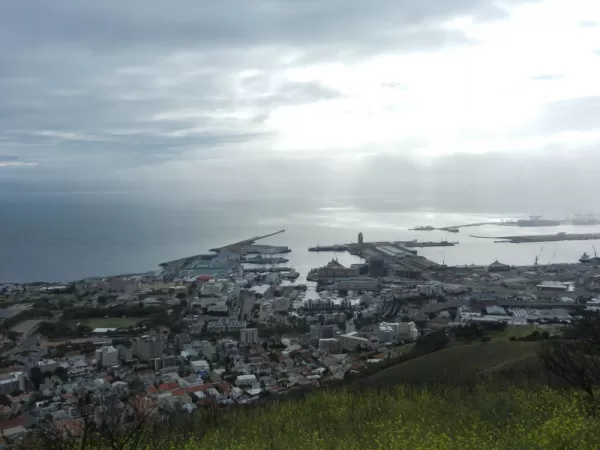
(390, 331)
(385, 333)
(200, 366)
(107, 356)
(245, 380)
(47, 365)
(352, 341)
(249, 336)
(407, 330)
(12, 382)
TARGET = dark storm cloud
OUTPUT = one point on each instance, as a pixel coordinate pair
(92, 82)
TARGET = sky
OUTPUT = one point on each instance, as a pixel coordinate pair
(453, 98)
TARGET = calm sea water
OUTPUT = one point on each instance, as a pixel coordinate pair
(63, 237)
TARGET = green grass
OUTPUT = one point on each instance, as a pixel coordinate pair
(109, 322)
(460, 362)
(478, 417)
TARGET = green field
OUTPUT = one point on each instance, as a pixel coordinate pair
(460, 362)
(109, 322)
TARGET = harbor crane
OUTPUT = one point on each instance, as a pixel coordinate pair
(538, 256)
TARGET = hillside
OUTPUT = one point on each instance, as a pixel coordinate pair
(461, 362)
(481, 417)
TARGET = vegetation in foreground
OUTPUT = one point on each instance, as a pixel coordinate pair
(472, 417)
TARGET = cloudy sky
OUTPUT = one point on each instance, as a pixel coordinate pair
(194, 91)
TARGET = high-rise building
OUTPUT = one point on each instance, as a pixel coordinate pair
(148, 347)
(249, 336)
(360, 238)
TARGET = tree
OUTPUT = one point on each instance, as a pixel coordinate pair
(576, 358)
(61, 373)
(4, 400)
(36, 377)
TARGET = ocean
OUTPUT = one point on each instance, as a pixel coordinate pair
(62, 236)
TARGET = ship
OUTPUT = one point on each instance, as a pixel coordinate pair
(263, 260)
(433, 244)
(328, 248)
(426, 228)
(451, 230)
(587, 259)
(585, 219)
(538, 221)
(291, 275)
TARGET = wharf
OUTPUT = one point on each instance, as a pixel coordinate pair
(541, 238)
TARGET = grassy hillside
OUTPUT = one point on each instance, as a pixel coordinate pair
(461, 362)
(400, 418)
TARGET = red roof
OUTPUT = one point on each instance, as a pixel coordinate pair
(15, 422)
(152, 390)
(225, 388)
(202, 387)
(168, 386)
(177, 392)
